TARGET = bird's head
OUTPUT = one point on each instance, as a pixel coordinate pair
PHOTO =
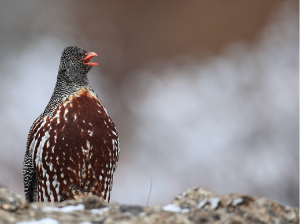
(76, 60)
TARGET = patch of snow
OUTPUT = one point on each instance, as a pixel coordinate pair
(237, 201)
(202, 203)
(171, 208)
(185, 210)
(214, 202)
(66, 209)
(97, 210)
(41, 221)
(175, 208)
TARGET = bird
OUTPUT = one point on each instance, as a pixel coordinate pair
(73, 147)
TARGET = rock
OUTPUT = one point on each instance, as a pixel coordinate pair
(196, 205)
(10, 201)
(234, 208)
(131, 209)
(93, 202)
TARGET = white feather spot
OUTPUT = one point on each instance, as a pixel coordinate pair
(44, 196)
(84, 150)
(50, 166)
(40, 149)
(66, 111)
(107, 194)
(44, 171)
(105, 110)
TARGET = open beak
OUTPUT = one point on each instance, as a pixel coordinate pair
(86, 60)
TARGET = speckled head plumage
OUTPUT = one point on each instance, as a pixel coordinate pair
(75, 64)
(76, 59)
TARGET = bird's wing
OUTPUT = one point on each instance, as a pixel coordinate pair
(29, 173)
(29, 178)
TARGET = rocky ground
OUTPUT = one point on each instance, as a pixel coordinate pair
(193, 206)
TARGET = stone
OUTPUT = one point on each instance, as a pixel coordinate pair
(196, 205)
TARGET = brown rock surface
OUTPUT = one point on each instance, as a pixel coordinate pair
(193, 206)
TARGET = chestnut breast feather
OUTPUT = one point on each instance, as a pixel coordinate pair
(75, 152)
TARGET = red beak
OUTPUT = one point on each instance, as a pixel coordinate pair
(86, 60)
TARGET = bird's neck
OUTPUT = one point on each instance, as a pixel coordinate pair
(65, 87)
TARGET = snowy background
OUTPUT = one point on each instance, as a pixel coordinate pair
(226, 120)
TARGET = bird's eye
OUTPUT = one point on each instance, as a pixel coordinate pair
(76, 56)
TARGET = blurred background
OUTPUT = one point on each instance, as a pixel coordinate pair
(203, 93)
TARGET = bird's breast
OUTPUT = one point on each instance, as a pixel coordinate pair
(77, 148)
